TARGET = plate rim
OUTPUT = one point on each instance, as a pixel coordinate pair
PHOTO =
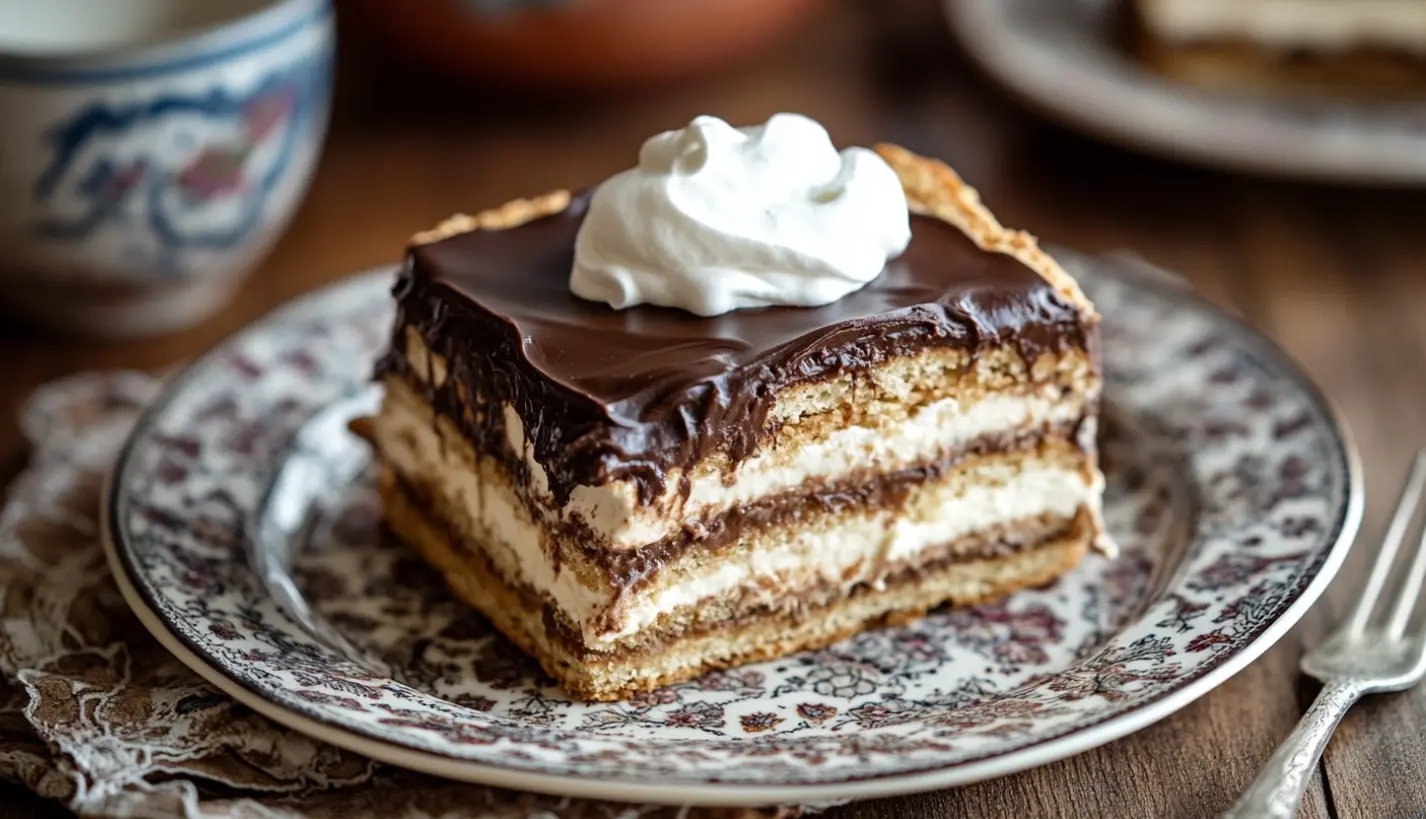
(712, 792)
(1198, 146)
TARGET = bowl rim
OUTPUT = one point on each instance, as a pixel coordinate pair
(189, 48)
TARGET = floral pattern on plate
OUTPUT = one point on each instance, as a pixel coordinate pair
(242, 513)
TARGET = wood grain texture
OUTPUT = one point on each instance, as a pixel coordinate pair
(1335, 275)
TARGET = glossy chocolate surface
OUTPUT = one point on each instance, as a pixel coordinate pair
(632, 394)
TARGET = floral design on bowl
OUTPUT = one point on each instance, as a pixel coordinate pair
(141, 183)
(122, 166)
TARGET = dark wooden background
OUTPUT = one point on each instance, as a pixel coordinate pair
(1337, 275)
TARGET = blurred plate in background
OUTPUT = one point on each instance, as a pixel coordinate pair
(1061, 57)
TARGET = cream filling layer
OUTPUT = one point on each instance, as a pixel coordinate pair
(854, 549)
(613, 511)
(859, 548)
(1316, 24)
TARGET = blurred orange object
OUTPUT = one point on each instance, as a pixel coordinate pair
(577, 44)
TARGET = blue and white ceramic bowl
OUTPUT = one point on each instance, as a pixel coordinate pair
(151, 151)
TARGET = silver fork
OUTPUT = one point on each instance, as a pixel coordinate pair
(1370, 654)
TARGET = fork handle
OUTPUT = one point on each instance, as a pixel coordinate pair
(1278, 789)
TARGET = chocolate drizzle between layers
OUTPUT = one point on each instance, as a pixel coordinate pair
(608, 395)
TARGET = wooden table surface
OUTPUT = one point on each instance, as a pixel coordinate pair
(1337, 275)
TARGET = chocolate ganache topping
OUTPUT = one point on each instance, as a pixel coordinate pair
(635, 394)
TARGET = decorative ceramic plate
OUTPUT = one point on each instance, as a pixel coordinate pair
(1060, 57)
(243, 527)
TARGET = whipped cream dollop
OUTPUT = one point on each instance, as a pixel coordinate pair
(717, 218)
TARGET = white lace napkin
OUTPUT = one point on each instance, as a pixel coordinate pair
(94, 713)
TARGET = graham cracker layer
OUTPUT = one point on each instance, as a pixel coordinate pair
(618, 674)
